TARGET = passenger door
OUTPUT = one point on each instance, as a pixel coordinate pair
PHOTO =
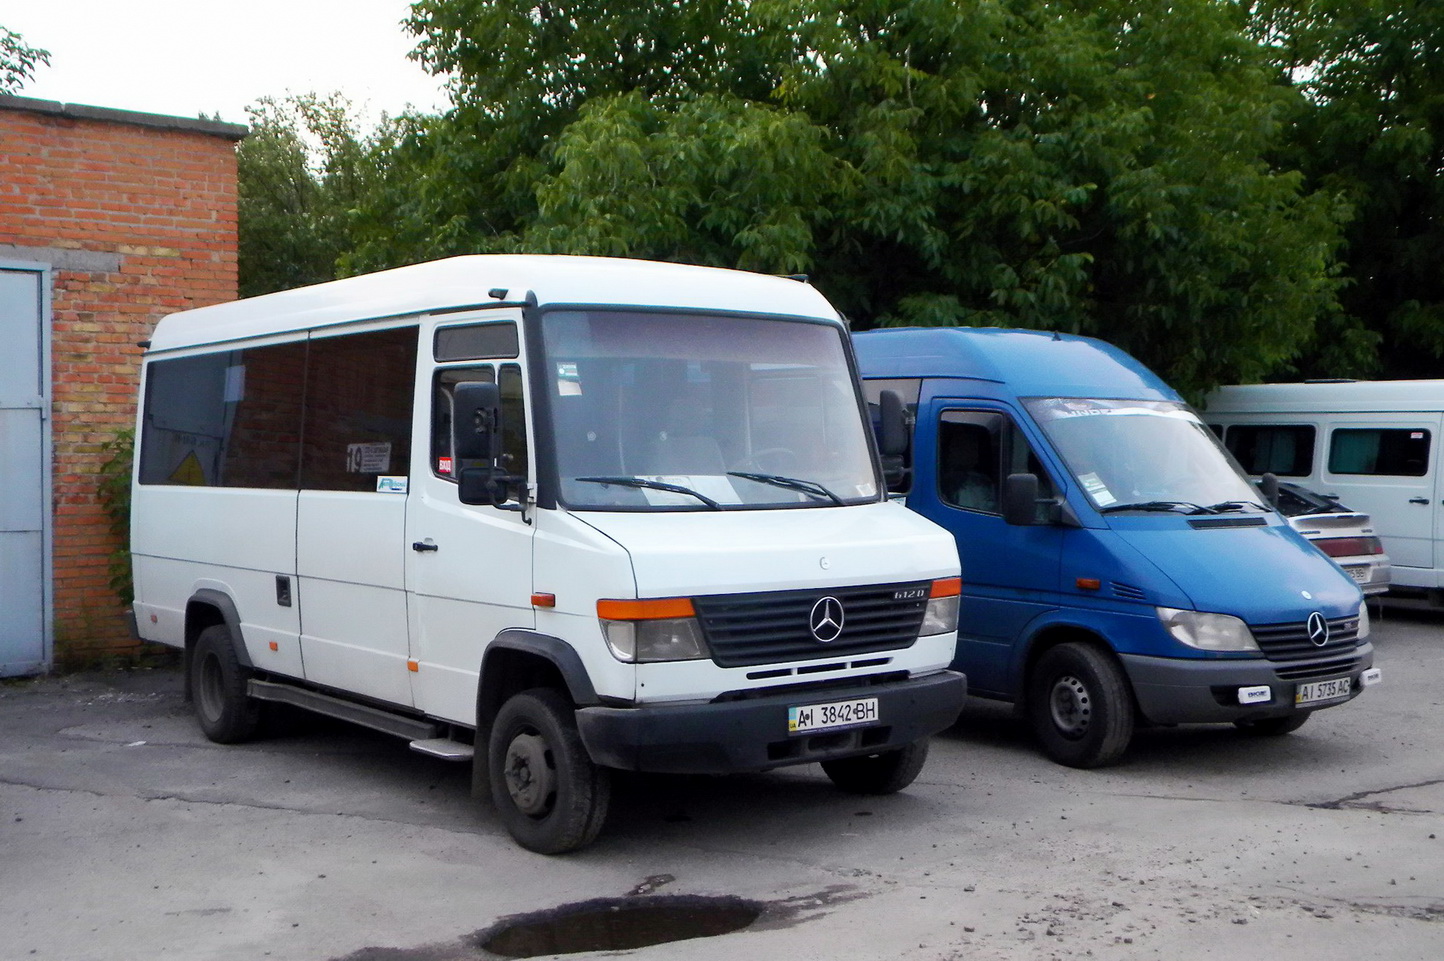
(351, 512)
(1388, 470)
(469, 568)
(1010, 573)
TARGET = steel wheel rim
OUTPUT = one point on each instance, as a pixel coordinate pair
(1071, 706)
(530, 776)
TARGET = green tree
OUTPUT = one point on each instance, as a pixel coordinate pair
(301, 173)
(18, 61)
(1374, 135)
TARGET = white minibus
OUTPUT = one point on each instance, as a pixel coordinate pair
(551, 515)
(1372, 445)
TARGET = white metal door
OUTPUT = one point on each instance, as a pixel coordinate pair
(24, 470)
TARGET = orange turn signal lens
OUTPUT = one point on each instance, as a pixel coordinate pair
(647, 609)
(947, 587)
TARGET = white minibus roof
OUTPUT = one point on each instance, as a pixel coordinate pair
(470, 280)
(1329, 397)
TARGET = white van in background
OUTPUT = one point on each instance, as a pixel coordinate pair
(1373, 445)
(550, 515)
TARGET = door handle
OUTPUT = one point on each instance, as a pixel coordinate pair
(1418, 500)
(421, 547)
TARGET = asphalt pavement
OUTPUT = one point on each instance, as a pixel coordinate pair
(125, 834)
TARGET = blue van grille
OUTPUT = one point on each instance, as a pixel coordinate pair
(774, 626)
(1290, 641)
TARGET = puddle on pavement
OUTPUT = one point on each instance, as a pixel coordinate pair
(617, 924)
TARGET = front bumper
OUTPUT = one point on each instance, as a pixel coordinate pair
(728, 736)
(1181, 691)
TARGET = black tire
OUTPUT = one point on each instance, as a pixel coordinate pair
(1274, 726)
(218, 689)
(885, 773)
(1080, 706)
(547, 791)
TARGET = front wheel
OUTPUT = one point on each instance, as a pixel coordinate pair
(1274, 726)
(1080, 706)
(885, 773)
(547, 791)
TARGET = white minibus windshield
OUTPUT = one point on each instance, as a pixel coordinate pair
(1138, 455)
(671, 411)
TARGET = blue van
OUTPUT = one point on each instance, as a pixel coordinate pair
(1118, 569)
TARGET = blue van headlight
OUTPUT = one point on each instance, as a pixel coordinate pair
(1363, 621)
(1207, 632)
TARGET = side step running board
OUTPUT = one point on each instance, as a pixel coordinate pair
(444, 748)
(399, 725)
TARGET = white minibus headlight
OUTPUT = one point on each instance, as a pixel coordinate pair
(941, 616)
(1363, 620)
(1207, 632)
(654, 629)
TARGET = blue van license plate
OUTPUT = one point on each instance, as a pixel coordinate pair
(1329, 690)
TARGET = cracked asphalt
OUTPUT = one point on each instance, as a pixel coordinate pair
(124, 834)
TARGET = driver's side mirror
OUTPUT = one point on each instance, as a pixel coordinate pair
(1020, 499)
(893, 438)
(476, 436)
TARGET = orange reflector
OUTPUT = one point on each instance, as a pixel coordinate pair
(275, 646)
(947, 587)
(543, 600)
(647, 609)
(413, 666)
(1088, 583)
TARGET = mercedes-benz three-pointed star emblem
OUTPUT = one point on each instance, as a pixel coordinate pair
(826, 619)
(1318, 629)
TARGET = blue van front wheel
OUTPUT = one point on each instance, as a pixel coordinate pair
(1080, 706)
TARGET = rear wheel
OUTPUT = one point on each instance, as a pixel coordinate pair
(1080, 706)
(226, 713)
(1274, 726)
(547, 791)
(885, 773)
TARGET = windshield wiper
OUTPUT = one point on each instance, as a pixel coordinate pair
(1225, 507)
(1184, 507)
(652, 485)
(789, 483)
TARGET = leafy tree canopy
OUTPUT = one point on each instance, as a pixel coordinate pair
(18, 61)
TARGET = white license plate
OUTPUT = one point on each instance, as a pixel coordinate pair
(1359, 572)
(1323, 690)
(820, 717)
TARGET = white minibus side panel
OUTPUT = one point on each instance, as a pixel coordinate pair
(1386, 466)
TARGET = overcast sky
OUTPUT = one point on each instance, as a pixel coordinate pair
(187, 57)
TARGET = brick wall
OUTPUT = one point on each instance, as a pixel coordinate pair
(136, 214)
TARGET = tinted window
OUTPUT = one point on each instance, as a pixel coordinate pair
(513, 416)
(1395, 451)
(1283, 449)
(476, 342)
(358, 409)
(977, 450)
(230, 419)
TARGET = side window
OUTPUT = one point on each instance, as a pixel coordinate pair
(513, 415)
(230, 419)
(909, 389)
(976, 451)
(1283, 449)
(359, 391)
(1388, 451)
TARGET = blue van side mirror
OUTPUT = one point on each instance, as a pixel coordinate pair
(1020, 499)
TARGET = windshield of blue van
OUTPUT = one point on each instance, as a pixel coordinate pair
(1143, 456)
(673, 411)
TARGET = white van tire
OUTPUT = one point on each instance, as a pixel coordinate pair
(885, 773)
(547, 792)
(1080, 706)
(227, 714)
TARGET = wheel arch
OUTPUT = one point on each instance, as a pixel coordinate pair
(517, 660)
(1054, 635)
(208, 607)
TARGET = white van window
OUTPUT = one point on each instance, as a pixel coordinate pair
(1388, 451)
(359, 390)
(225, 419)
(1283, 449)
(513, 415)
(669, 411)
(475, 342)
